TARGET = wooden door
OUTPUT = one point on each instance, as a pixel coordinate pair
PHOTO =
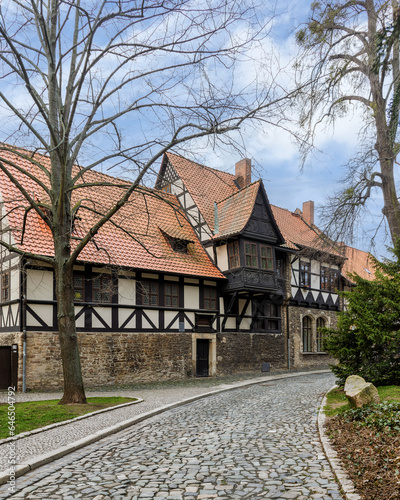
(5, 367)
(202, 357)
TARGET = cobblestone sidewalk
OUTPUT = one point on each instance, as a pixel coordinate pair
(258, 441)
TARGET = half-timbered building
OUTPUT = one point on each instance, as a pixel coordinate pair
(200, 276)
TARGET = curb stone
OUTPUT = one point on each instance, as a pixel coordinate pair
(46, 458)
(66, 422)
(341, 475)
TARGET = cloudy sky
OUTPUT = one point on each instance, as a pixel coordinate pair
(276, 159)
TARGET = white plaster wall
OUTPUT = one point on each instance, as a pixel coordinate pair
(153, 316)
(39, 284)
(126, 291)
(192, 297)
(44, 311)
(169, 316)
(222, 257)
(105, 313)
(123, 315)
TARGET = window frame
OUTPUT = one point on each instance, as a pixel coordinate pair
(253, 256)
(80, 275)
(329, 279)
(271, 314)
(104, 289)
(171, 295)
(305, 274)
(306, 333)
(148, 294)
(5, 286)
(208, 300)
(319, 337)
(234, 256)
(269, 259)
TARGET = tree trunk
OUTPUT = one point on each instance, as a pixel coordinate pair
(73, 382)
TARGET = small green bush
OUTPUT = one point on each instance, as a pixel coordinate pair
(384, 416)
(366, 341)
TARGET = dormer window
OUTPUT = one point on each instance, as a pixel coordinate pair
(179, 245)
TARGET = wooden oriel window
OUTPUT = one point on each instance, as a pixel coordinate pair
(233, 252)
(250, 252)
(102, 289)
(305, 273)
(150, 293)
(5, 286)
(171, 295)
(267, 257)
(210, 297)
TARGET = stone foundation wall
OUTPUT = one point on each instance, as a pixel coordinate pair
(245, 352)
(106, 358)
(300, 359)
(125, 358)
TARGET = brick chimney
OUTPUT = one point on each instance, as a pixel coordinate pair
(308, 212)
(243, 172)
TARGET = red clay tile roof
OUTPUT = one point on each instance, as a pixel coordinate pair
(358, 262)
(234, 212)
(146, 216)
(205, 185)
(298, 234)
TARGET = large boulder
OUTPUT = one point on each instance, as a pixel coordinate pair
(359, 392)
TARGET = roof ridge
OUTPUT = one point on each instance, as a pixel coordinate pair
(28, 152)
(200, 164)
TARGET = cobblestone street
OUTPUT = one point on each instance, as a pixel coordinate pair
(254, 442)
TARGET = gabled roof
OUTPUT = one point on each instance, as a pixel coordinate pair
(133, 239)
(235, 211)
(358, 262)
(300, 235)
(206, 185)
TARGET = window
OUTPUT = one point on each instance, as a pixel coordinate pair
(167, 188)
(250, 252)
(5, 287)
(267, 259)
(79, 287)
(171, 295)
(233, 252)
(149, 290)
(210, 298)
(320, 337)
(329, 279)
(266, 316)
(280, 268)
(307, 334)
(334, 280)
(102, 289)
(324, 278)
(203, 323)
(177, 245)
(305, 274)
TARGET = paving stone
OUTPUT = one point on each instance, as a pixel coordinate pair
(258, 442)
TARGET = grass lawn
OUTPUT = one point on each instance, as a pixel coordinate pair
(336, 401)
(35, 414)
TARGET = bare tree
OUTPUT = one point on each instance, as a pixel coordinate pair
(114, 83)
(356, 46)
